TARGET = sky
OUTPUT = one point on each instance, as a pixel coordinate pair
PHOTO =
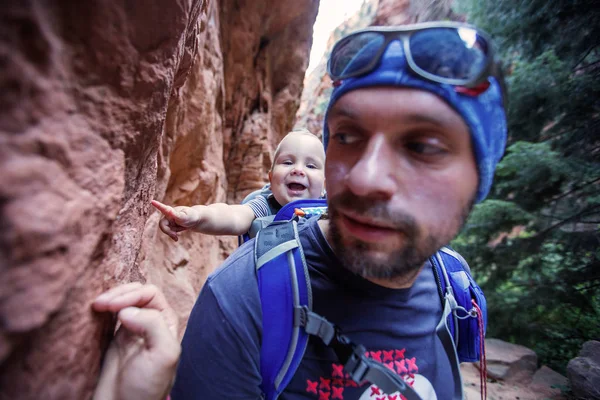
(331, 14)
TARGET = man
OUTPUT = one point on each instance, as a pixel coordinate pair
(413, 131)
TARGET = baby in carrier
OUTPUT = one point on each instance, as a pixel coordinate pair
(297, 173)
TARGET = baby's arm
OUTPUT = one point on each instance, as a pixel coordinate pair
(214, 219)
(224, 219)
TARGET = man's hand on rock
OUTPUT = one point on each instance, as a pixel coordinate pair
(142, 358)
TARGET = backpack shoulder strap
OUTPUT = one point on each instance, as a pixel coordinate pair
(256, 226)
(284, 286)
(286, 302)
(456, 283)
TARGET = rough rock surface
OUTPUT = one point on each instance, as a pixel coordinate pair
(545, 376)
(584, 371)
(520, 380)
(500, 390)
(510, 362)
(105, 106)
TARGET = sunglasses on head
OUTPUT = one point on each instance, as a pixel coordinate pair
(443, 52)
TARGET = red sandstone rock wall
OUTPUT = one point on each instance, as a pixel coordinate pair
(103, 107)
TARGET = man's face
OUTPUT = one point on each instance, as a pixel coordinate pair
(401, 179)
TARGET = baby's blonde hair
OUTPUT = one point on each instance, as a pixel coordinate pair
(294, 132)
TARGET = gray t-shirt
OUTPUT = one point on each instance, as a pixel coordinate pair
(221, 346)
(264, 205)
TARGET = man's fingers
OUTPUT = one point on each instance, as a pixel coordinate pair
(101, 302)
(151, 325)
(131, 295)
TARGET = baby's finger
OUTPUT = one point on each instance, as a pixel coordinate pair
(166, 210)
(175, 227)
(166, 226)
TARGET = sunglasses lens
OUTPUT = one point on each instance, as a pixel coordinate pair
(448, 53)
(354, 54)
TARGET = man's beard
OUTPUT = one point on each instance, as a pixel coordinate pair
(400, 264)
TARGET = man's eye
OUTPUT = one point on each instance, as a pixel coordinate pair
(345, 138)
(425, 149)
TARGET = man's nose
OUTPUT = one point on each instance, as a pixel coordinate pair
(373, 174)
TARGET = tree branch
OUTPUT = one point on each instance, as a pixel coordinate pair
(565, 221)
(573, 190)
(587, 53)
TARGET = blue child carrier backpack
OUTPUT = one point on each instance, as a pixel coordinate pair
(308, 207)
(288, 320)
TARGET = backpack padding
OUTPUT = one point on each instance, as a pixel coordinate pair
(257, 225)
(264, 191)
(287, 212)
(283, 284)
(464, 289)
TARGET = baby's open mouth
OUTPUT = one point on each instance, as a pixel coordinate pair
(296, 186)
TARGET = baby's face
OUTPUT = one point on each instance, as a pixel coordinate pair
(299, 169)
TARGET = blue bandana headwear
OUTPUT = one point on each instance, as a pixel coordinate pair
(484, 114)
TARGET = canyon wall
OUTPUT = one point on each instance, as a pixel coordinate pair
(103, 107)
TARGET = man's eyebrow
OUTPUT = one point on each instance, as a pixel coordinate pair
(340, 110)
(420, 118)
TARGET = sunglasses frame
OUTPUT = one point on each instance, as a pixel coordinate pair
(404, 33)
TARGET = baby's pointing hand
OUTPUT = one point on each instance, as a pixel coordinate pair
(176, 219)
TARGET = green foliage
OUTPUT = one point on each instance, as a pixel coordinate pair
(493, 217)
(533, 245)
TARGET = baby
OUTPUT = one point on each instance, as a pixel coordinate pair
(297, 173)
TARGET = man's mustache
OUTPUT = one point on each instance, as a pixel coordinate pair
(374, 209)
